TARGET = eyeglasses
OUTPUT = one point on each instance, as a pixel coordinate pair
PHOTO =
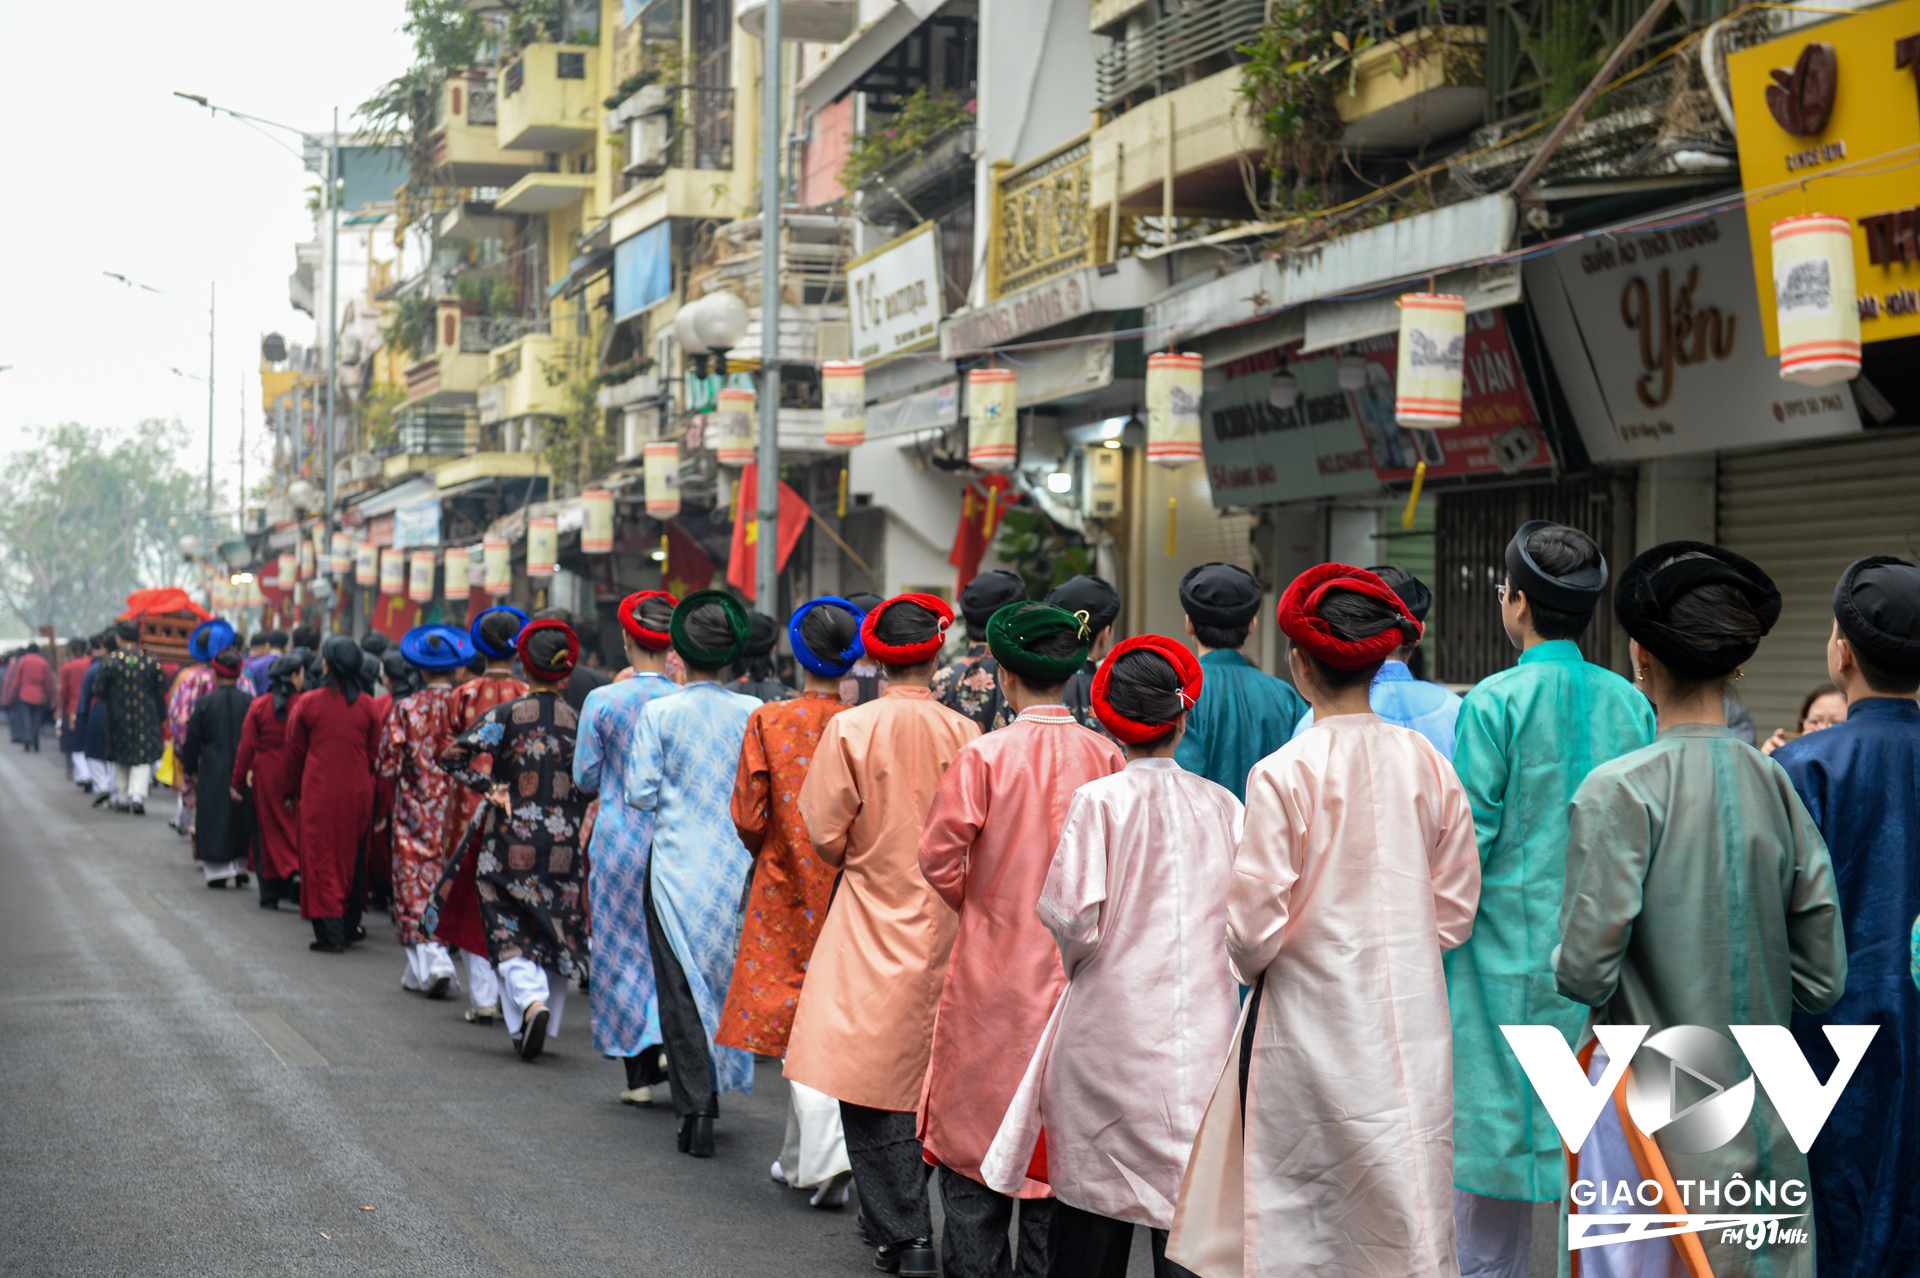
(1500, 588)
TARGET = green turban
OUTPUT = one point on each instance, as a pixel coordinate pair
(706, 651)
(1016, 628)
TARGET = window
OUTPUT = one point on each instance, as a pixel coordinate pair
(571, 66)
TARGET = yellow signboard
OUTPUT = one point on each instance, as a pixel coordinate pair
(1829, 122)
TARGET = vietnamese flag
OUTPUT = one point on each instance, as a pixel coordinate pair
(745, 553)
(980, 513)
(688, 568)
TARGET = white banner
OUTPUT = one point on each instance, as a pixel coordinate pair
(896, 295)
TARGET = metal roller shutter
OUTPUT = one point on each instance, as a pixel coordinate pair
(1803, 514)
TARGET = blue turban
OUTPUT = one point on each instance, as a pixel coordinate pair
(828, 667)
(436, 649)
(209, 638)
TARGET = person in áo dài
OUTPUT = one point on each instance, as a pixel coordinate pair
(93, 718)
(1096, 597)
(1396, 695)
(867, 679)
(1860, 780)
(73, 729)
(528, 846)
(789, 887)
(987, 847)
(333, 736)
(1136, 899)
(194, 681)
(971, 685)
(1247, 714)
(223, 824)
(864, 1022)
(626, 1011)
(134, 687)
(1524, 740)
(417, 732)
(1326, 1148)
(262, 777)
(685, 754)
(756, 676)
(1699, 897)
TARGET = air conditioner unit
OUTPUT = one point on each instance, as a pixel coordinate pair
(1101, 489)
(650, 143)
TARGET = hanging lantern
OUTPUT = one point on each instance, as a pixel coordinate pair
(993, 424)
(1433, 357)
(543, 541)
(217, 595)
(497, 555)
(596, 536)
(287, 572)
(458, 583)
(731, 431)
(256, 598)
(341, 554)
(663, 479)
(305, 560)
(1173, 409)
(843, 394)
(1813, 287)
(366, 563)
(393, 571)
(420, 577)
(321, 550)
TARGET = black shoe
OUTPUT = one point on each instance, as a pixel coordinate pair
(270, 903)
(326, 947)
(696, 1136)
(137, 808)
(686, 1133)
(438, 987)
(218, 885)
(103, 798)
(241, 880)
(911, 1259)
(533, 1033)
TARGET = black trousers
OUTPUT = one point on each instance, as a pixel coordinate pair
(1083, 1245)
(974, 1242)
(689, 1063)
(890, 1171)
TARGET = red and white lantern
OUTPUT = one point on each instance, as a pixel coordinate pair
(1173, 409)
(1813, 291)
(731, 431)
(420, 576)
(663, 479)
(458, 582)
(843, 397)
(1433, 360)
(497, 556)
(340, 554)
(393, 571)
(543, 545)
(366, 563)
(993, 419)
(288, 571)
(596, 535)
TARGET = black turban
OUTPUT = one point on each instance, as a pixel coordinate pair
(1654, 582)
(763, 632)
(989, 593)
(1219, 595)
(1578, 592)
(1877, 604)
(1092, 595)
(1413, 592)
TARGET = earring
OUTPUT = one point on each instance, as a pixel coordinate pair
(1640, 676)
(1737, 672)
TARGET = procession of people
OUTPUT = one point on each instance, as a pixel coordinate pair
(1083, 935)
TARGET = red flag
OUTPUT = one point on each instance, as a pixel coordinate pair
(980, 513)
(688, 567)
(745, 553)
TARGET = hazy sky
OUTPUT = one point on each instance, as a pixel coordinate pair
(107, 171)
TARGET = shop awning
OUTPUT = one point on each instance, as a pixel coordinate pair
(399, 495)
(857, 56)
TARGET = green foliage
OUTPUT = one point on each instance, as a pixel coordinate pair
(495, 295)
(409, 326)
(1041, 551)
(447, 39)
(921, 116)
(1301, 61)
(576, 447)
(86, 521)
(380, 414)
(1570, 55)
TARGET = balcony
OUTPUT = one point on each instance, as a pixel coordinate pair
(538, 193)
(1438, 90)
(550, 98)
(465, 137)
(1182, 46)
(446, 378)
(1042, 220)
(679, 157)
(924, 185)
(1183, 148)
(517, 384)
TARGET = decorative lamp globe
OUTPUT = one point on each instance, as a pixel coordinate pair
(303, 495)
(188, 546)
(721, 320)
(685, 333)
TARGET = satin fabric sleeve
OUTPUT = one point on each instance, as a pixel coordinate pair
(752, 788)
(645, 767)
(1076, 888)
(249, 746)
(588, 757)
(486, 735)
(1610, 837)
(829, 797)
(1479, 760)
(1267, 866)
(1455, 861)
(376, 729)
(297, 743)
(1816, 934)
(960, 808)
(393, 745)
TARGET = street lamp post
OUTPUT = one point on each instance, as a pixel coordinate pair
(767, 574)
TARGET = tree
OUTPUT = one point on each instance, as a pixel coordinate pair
(87, 521)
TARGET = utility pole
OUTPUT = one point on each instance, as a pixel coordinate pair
(331, 205)
(767, 574)
(210, 327)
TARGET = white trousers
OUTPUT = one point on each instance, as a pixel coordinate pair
(816, 1147)
(81, 772)
(426, 962)
(1491, 1235)
(130, 782)
(226, 871)
(523, 983)
(102, 775)
(483, 983)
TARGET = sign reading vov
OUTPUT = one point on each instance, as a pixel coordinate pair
(896, 295)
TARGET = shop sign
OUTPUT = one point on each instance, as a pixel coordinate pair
(417, 525)
(1655, 340)
(896, 295)
(1829, 122)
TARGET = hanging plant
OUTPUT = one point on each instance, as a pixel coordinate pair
(1304, 57)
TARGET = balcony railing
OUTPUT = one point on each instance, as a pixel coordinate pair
(481, 104)
(1042, 224)
(482, 333)
(694, 132)
(1158, 56)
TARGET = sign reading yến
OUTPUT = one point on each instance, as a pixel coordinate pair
(896, 295)
(1840, 122)
(1655, 340)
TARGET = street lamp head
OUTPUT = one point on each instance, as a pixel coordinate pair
(686, 333)
(303, 495)
(721, 320)
(188, 546)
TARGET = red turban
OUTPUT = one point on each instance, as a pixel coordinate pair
(562, 665)
(1185, 666)
(1300, 622)
(910, 654)
(651, 640)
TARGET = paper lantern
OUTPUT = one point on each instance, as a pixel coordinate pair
(497, 555)
(663, 479)
(217, 588)
(993, 424)
(596, 536)
(420, 577)
(1813, 288)
(731, 431)
(843, 394)
(341, 554)
(322, 557)
(305, 560)
(1433, 357)
(256, 598)
(458, 582)
(1173, 409)
(543, 543)
(287, 571)
(393, 571)
(366, 563)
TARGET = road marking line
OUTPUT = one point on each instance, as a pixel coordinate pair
(282, 1039)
